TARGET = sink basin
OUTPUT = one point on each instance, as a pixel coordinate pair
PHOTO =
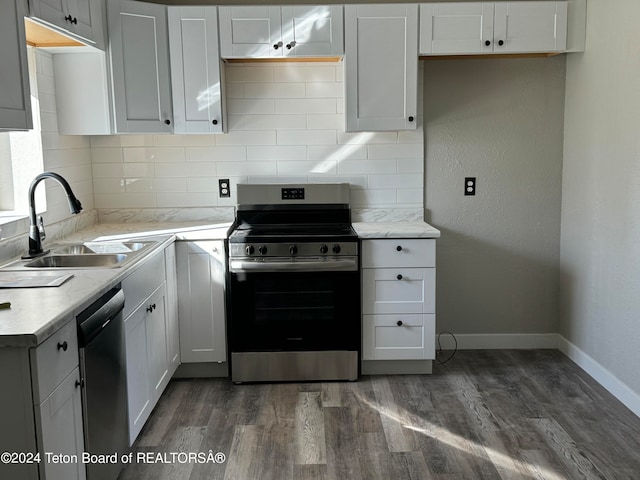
(78, 261)
(92, 248)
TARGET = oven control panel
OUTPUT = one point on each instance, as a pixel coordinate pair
(292, 193)
(302, 249)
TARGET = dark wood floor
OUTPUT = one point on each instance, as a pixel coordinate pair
(499, 414)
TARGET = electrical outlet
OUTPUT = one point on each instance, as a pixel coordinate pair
(470, 185)
(224, 187)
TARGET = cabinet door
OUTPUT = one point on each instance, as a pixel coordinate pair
(195, 69)
(398, 337)
(309, 31)
(456, 28)
(59, 422)
(138, 381)
(139, 51)
(381, 67)
(171, 309)
(398, 290)
(201, 273)
(15, 100)
(156, 343)
(250, 32)
(530, 27)
(79, 17)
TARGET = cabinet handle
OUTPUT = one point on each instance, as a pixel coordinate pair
(277, 45)
(214, 121)
(399, 323)
(411, 118)
(501, 42)
(151, 307)
(63, 346)
(399, 248)
(167, 122)
(80, 383)
(291, 45)
(74, 21)
(399, 277)
(487, 43)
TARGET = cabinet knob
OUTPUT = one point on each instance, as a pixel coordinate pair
(399, 323)
(501, 42)
(290, 45)
(74, 21)
(399, 277)
(399, 248)
(411, 118)
(487, 43)
(63, 346)
(80, 383)
(167, 122)
(68, 18)
(277, 45)
(151, 307)
(214, 121)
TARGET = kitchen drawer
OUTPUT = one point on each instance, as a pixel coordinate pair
(53, 361)
(141, 283)
(401, 252)
(398, 337)
(398, 290)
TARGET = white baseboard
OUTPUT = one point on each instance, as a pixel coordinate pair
(601, 375)
(502, 341)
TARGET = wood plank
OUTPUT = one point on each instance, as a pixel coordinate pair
(310, 441)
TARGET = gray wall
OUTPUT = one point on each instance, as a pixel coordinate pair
(500, 120)
(600, 247)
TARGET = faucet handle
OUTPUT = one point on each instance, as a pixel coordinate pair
(41, 231)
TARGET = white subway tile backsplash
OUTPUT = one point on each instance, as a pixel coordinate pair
(306, 105)
(279, 152)
(306, 137)
(274, 90)
(285, 124)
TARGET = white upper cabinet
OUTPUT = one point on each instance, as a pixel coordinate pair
(15, 100)
(492, 27)
(139, 50)
(287, 31)
(81, 18)
(196, 82)
(381, 67)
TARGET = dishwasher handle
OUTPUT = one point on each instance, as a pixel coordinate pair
(98, 315)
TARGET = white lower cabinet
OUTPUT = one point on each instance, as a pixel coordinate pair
(398, 299)
(201, 297)
(149, 327)
(59, 419)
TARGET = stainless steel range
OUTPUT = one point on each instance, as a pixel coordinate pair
(294, 285)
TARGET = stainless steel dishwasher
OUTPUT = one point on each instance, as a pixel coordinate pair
(104, 384)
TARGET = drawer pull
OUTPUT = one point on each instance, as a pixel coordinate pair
(80, 383)
(399, 248)
(399, 277)
(63, 346)
(399, 323)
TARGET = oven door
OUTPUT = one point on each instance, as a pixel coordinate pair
(287, 311)
(294, 325)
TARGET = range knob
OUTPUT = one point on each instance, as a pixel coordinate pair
(336, 248)
(262, 249)
(293, 250)
(250, 249)
(324, 249)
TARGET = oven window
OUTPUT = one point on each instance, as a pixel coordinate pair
(282, 302)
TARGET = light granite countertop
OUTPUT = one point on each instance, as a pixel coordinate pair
(395, 230)
(36, 313)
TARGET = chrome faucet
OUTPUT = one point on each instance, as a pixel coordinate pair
(36, 226)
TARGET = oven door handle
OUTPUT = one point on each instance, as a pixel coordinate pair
(334, 265)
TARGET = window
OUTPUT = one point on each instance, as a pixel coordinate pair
(21, 159)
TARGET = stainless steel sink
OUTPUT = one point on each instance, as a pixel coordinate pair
(78, 261)
(92, 248)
